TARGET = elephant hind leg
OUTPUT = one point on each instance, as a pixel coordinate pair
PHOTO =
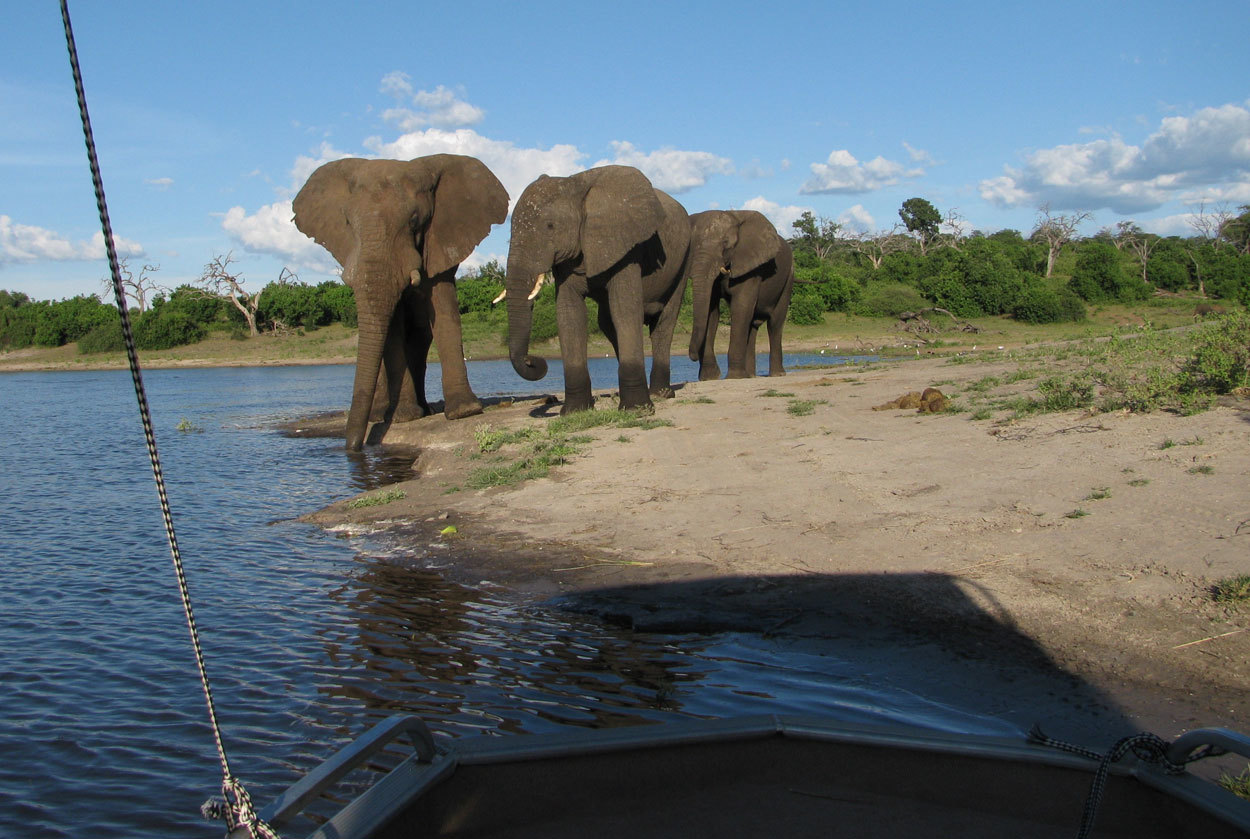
(443, 317)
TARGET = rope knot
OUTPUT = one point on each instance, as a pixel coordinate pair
(234, 807)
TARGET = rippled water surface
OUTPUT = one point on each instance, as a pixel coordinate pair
(309, 636)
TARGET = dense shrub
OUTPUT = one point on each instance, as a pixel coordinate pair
(106, 337)
(807, 307)
(978, 280)
(1099, 275)
(835, 291)
(544, 327)
(1038, 303)
(340, 301)
(889, 300)
(1221, 356)
(162, 329)
(199, 306)
(475, 293)
(292, 305)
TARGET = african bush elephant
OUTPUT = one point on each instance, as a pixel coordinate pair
(607, 234)
(738, 255)
(400, 229)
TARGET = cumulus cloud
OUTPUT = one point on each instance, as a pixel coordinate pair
(857, 218)
(270, 230)
(783, 218)
(22, 243)
(439, 107)
(1211, 148)
(515, 166)
(842, 173)
(672, 170)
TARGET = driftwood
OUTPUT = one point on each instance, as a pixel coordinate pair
(916, 322)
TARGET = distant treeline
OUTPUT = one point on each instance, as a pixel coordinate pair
(1049, 276)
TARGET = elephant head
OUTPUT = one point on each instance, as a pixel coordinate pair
(728, 243)
(389, 224)
(586, 222)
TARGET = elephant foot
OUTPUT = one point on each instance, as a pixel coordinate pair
(573, 404)
(462, 409)
(778, 372)
(662, 392)
(710, 375)
(738, 374)
(642, 405)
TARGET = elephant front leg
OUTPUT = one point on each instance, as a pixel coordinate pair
(775, 322)
(662, 345)
(741, 311)
(571, 322)
(709, 369)
(459, 400)
(625, 305)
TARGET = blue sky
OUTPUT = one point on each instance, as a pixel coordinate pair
(210, 116)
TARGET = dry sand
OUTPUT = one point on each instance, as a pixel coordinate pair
(890, 529)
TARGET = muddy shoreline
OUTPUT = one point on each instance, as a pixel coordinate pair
(889, 529)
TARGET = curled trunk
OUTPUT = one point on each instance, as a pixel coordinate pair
(520, 283)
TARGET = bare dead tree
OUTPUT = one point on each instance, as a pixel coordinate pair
(916, 322)
(137, 288)
(953, 230)
(1207, 225)
(1057, 231)
(875, 246)
(219, 280)
(1129, 235)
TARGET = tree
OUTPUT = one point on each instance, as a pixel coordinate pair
(1139, 242)
(219, 281)
(1207, 226)
(1056, 231)
(137, 288)
(876, 246)
(921, 219)
(1236, 231)
(818, 235)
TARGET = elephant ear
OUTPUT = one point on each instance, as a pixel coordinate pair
(620, 210)
(320, 207)
(758, 243)
(467, 201)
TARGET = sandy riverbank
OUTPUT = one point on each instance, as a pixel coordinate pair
(888, 527)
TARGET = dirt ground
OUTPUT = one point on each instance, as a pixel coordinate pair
(885, 527)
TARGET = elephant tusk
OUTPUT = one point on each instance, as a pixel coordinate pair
(500, 298)
(724, 269)
(415, 276)
(538, 285)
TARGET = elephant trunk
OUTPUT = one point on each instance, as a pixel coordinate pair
(374, 319)
(519, 283)
(704, 272)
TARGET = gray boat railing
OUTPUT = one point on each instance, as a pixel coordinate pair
(291, 803)
(1221, 738)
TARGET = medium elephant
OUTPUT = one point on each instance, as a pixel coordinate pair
(738, 255)
(400, 229)
(607, 234)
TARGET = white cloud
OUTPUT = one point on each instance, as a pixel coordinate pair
(160, 183)
(514, 166)
(918, 155)
(270, 230)
(671, 170)
(1211, 148)
(439, 107)
(783, 218)
(21, 243)
(842, 173)
(857, 218)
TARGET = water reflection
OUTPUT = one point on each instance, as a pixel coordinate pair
(475, 663)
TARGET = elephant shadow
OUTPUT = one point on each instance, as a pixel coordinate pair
(927, 635)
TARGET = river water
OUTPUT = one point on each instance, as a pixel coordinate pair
(309, 636)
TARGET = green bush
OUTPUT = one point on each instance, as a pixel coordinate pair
(1099, 275)
(161, 329)
(1220, 361)
(104, 338)
(1038, 303)
(889, 300)
(475, 293)
(340, 301)
(807, 307)
(292, 304)
(835, 290)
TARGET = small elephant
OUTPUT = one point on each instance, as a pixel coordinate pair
(738, 255)
(400, 229)
(607, 234)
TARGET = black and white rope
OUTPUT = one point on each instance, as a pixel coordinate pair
(240, 812)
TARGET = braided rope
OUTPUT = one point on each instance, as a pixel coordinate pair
(241, 812)
(1145, 746)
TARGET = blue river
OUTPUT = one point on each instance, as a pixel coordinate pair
(309, 636)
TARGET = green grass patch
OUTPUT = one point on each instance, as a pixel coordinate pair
(1233, 590)
(1098, 494)
(1078, 513)
(774, 392)
(1238, 785)
(187, 427)
(554, 443)
(377, 499)
(804, 407)
(1139, 482)
(1202, 469)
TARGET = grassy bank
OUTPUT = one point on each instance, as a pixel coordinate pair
(839, 332)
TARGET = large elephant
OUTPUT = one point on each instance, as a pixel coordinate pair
(607, 234)
(738, 255)
(400, 229)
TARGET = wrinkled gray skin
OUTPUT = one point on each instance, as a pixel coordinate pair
(737, 255)
(400, 229)
(607, 234)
